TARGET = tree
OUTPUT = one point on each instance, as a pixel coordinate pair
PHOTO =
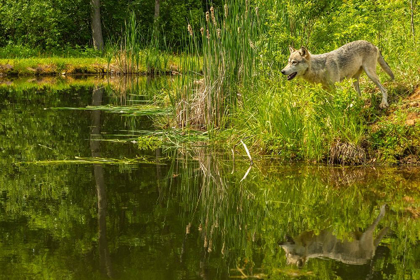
(157, 8)
(98, 41)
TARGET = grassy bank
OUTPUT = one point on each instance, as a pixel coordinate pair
(156, 63)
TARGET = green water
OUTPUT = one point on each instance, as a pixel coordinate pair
(80, 200)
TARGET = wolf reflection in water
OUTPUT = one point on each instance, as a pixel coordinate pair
(325, 245)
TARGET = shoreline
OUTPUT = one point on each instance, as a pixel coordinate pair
(58, 66)
(396, 130)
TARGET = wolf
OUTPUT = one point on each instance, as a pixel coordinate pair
(348, 61)
(325, 245)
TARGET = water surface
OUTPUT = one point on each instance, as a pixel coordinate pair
(80, 200)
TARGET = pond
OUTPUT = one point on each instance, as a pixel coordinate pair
(81, 199)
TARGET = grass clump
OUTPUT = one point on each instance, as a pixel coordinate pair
(304, 124)
(226, 41)
(149, 142)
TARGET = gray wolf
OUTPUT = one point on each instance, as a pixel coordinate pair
(325, 245)
(348, 61)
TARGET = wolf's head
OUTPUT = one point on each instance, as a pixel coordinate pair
(298, 63)
(295, 253)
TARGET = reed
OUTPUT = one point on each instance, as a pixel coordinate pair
(226, 41)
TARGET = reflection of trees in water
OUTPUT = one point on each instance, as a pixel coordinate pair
(104, 258)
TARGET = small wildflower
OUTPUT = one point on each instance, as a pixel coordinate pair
(226, 10)
(256, 11)
(208, 34)
(202, 30)
(207, 16)
(239, 30)
(190, 29)
(218, 32)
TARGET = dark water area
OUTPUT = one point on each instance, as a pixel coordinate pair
(80, 200)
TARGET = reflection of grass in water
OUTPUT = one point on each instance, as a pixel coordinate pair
(133, 110)
(243, 221)
(95, 160)
(168, 138)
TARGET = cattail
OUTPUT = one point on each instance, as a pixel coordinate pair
(202, 30)
(190, 29)
(210, 248)
(208, 34)
(207, 16)
(226, 10)
(213, 18)
(223, 249)
(246, 8)
(218, 32)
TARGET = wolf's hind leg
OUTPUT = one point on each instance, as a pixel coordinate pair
(380, 236)
(371, 72)
(378, 219)
(356, 81)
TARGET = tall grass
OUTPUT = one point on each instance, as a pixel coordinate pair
(133, 54)
(302, 124)
(127, 57)
(226, 41)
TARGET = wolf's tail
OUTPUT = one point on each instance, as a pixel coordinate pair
(385, 66)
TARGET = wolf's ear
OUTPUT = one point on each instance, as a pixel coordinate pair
(291, 49)
(304, 52)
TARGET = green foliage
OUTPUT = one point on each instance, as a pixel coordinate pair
(45, 24)
(149, 142)
(50, 25)
(393, 139)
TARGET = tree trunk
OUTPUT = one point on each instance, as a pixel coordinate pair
(98, 171)
(157, 8)
(98, 41)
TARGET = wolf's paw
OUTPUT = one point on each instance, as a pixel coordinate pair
(382, 211)
(383, 104)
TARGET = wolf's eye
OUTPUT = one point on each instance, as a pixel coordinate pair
(294, 62)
